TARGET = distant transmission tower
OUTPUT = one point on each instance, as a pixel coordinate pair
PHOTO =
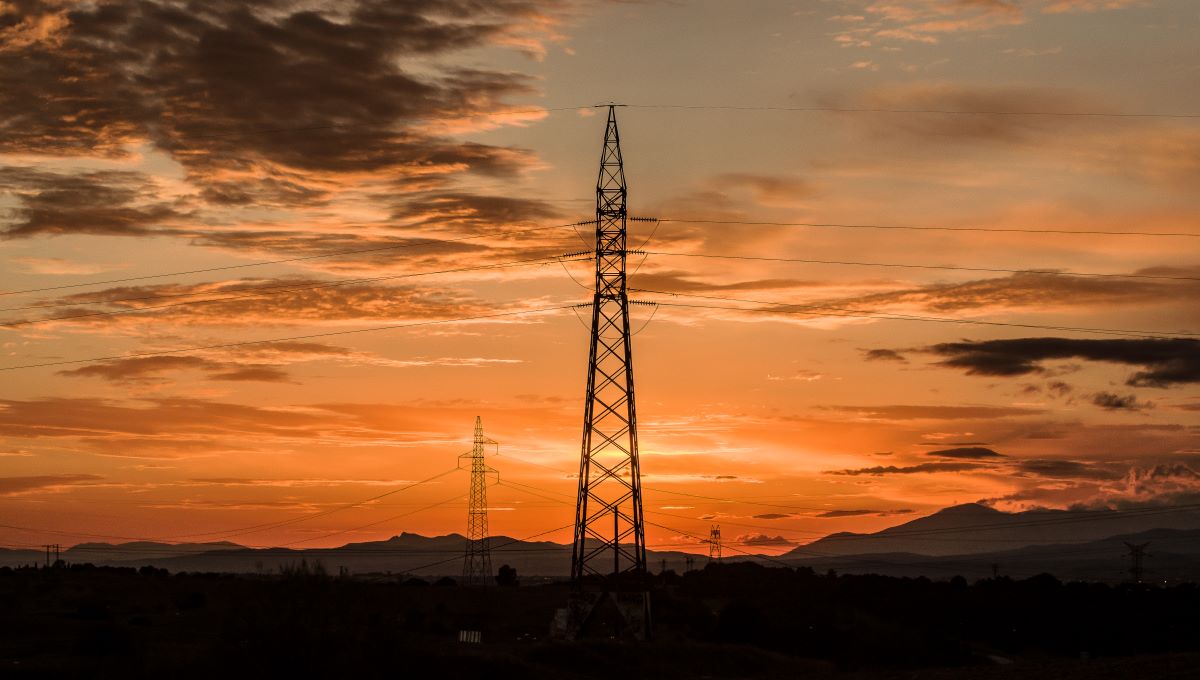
(714, 543)
(608, 557)
(477, 564)
(1137, 553)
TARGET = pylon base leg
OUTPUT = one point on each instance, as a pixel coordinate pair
(603, 615)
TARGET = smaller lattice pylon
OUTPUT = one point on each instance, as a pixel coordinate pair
(1137, 553)
(714, 543)
(477, 562)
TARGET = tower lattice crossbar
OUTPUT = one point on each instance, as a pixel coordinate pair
(477, 563)
(609, 550)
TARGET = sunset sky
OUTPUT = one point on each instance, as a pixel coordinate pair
(140, 138)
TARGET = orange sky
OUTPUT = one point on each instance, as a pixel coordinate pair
(164, 137)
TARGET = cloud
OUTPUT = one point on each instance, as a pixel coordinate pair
(470, 212)
(257, 301)
(762, 540)
(1115, 402)
(266, 104)
(772, 515)
(918, 412)
(253, 374)
(970, 452)
(14, 485)
(769, 189)
(104, 202)
(883, 355)
(683, 282)
(837, 514)
(150, 369)
(1165, 362)
(137, 369)
(57, 266)
(880, 470)
(1064, 6)
(929, 21)
(801, 376)
(1045, 292)
(1070, 469)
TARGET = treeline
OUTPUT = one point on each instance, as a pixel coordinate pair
(727, 620)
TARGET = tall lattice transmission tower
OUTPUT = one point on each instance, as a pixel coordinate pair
(477, 563)
(608, 558)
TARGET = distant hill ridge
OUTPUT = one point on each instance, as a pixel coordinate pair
(975, 528)
(965, 537)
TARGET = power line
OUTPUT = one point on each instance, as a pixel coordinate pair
(226, 345)
(423, 508)
(241, 531)
(949, 112)
(260, 292)
(827, 310)
(340, 253)
(1091, 232)
(494, 547)
(754, 258)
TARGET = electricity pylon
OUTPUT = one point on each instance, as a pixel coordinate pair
(608, 557)
(714, 543)
(477, 563)
(1137, 553)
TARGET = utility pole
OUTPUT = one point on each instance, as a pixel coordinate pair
(714, 543)
(477, 563)
(689, 563)
(56, 548)
(1137, 553)
(608, 555)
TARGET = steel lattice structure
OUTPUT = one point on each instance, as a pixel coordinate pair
(609, 551)
(477, 563)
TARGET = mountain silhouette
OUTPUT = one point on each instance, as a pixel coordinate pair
(974, 528)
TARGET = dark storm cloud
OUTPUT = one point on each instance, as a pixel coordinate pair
(1164, 362)
(880, 470)
(260, 101)
(969, 452)
(1116, 402)
(113, 203)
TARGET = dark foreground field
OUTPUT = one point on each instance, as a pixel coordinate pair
(737, 620)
